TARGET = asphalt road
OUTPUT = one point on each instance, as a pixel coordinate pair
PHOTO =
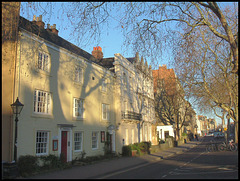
(193, 164)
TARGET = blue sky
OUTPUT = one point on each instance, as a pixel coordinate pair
(111, 41)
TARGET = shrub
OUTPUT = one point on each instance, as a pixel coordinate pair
(135, 146)
(126, 150)
(145, 146)
(51, 161)
(27, 165)
(161, 141)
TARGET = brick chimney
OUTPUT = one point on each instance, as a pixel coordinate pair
(38, 21)
(52, 28)
(97, 52)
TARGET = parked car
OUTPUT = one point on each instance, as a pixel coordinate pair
(231, 136)
(218, 135)
(210, 134)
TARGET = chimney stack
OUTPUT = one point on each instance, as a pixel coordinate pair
(52, 28)
(38, 21)
(97, 52)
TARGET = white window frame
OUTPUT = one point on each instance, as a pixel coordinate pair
(78, 139)
(95, 135)
(126, 135)
(42, 143)
(42, 102)
(79, 107)
(78, 74)
(43, 61)
(105, 111)
(104, 85)
(133, 135)
(145, 133)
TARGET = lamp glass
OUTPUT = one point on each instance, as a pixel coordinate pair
(17, 107)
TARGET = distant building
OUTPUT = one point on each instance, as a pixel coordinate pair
(203, 124)
(134, 98)
(166, 84)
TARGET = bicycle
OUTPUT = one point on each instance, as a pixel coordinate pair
(230, 146)
(212, 146)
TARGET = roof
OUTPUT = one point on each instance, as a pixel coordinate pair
(107, 62)
(51, 37)
(57, 40)
(131, 60)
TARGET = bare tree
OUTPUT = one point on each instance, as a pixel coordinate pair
(151, 27)
(204, 65)
(171, 108)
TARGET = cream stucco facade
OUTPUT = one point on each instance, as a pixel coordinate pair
(75, 102)
(59, 87)
(135, 103)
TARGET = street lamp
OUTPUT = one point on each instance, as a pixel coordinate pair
(196, 126)
(228, 126)
(17, 107)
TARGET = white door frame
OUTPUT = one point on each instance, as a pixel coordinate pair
(69, 140)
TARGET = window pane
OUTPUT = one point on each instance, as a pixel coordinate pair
(94, 139)
(78, 141)
(41, 142)
(78, 74)
(78, 108)
(43, 61)
(41, 102)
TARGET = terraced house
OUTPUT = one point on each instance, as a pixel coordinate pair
(75, 101)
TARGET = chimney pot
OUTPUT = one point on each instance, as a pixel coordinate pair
(97, 52)
(34, 17)
(40, 17)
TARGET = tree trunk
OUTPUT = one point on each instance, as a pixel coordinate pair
(236, 131)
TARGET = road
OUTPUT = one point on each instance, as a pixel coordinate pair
(193, 164)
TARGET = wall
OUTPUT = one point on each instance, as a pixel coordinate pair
(165, 128)
(59, 82)
(10, 15)
(132, 87)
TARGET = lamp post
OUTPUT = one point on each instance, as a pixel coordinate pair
(17, 107)
(196, 126)
(228, 127)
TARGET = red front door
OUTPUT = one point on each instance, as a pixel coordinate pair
(64, 145)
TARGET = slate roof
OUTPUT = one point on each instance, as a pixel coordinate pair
(131, 60)
(51, 37)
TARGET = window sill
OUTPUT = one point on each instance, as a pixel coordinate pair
(39, 115)
(104, 91)
(78, 119)
(105, 121)
(41, 154)
(77, 83)
(77, 151)
(43, 72)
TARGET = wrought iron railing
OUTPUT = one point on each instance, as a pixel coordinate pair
(131, 115)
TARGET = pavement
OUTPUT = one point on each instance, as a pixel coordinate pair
(108, 167)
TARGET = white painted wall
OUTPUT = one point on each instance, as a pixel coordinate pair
(165, 128)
